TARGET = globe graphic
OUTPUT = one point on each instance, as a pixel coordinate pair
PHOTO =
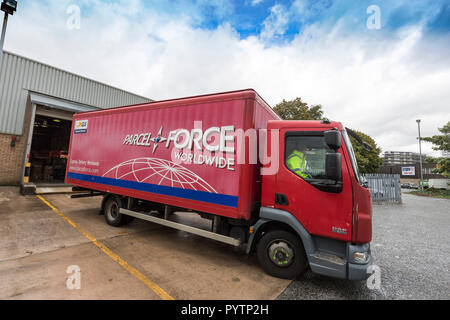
(158, 171)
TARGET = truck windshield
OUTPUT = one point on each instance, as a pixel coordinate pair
(351, 152)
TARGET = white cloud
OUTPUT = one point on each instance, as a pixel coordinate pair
(299, 7)
(378, 86)
(276, 23)
(256, 2)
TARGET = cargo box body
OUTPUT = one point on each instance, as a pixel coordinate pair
(131, 151)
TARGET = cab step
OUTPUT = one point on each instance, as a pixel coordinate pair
(330, 258)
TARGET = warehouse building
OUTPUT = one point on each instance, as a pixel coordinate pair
(37, 102)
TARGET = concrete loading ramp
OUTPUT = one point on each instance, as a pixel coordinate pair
(40, 245)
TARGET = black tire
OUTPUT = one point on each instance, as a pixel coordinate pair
(112, 215)
(288, 249)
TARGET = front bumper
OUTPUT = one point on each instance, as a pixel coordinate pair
(346, 267)
(358, 271)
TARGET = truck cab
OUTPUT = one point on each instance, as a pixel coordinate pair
(326, 205)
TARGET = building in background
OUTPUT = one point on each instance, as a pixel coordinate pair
(411, 172)
(37, 102)
(401, 157)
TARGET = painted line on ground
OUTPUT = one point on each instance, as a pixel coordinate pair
(133, 271)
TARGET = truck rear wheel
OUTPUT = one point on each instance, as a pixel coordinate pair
(281, 254)
(112, 215)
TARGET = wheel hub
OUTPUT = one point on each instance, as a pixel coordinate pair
(281, 253)
(114, 210)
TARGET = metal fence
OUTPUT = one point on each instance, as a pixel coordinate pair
(384, 187)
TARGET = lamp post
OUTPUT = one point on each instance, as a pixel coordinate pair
(8, 6)
(420, 156)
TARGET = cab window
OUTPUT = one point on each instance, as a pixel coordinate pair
(305, 155)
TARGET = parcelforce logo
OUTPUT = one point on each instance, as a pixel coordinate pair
(183, 138)
(81, 126)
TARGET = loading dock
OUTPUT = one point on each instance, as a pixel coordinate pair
(48, 142)
(49, 148)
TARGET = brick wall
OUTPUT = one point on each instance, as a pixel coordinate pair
(11, 158)
(410, 181)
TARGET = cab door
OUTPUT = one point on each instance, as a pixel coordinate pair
(321, 212)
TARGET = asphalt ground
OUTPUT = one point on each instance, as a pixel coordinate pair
(411, 245)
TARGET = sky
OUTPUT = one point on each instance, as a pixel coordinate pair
(376, 66)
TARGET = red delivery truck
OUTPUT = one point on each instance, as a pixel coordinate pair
(288, 190)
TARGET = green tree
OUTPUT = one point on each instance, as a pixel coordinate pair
(431, 160)
(298, 110)
(441, 142)
(368, 160)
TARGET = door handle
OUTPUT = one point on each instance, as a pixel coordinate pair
(281, 199)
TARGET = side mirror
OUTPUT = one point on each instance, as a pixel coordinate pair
(333, 166)
(333, 139)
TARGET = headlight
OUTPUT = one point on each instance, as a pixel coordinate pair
(361, 257)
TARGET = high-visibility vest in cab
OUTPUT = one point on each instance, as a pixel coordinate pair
(297, 163)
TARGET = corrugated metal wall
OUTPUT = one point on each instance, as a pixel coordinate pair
(19, 75)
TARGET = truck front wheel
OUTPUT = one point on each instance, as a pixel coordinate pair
(281, 254)
(112, 215)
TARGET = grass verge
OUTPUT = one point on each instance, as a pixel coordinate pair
(434, 193)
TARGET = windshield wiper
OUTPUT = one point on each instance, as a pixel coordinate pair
(365, 145)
